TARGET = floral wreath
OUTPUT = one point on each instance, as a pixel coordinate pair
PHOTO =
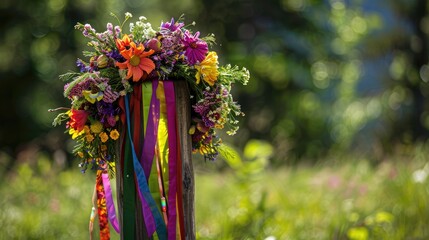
(120, 60)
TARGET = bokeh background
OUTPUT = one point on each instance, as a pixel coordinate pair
(333, 144)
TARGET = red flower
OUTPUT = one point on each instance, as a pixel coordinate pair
(78, 119)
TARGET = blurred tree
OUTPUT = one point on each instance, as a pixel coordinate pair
(36, 41)
(306, 62)
(329, 75)
(326, 74)
(276, 41)
(408, 86)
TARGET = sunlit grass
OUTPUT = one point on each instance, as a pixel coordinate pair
(348, 200)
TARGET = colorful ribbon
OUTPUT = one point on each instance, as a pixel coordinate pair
(170, 99)
(150, 131)
(111, 211)
(102, 211)
(143, 188)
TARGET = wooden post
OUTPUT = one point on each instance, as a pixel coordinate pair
(183, 109)
(188, 180)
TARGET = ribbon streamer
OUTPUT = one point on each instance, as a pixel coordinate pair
(143, 187)
(102, 211)
(172, 160)
(150, 131)
(111, 211)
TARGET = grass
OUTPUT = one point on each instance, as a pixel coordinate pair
(347, 199)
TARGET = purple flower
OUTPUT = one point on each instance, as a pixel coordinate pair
(104, 110)
(117, 31)
(87, 29)
(195, 48)
(172, 26)
(116, 56)
(109, 27)
(82, 66)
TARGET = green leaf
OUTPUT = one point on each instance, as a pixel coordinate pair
(68, 77)
(257, 149)
(231, 156)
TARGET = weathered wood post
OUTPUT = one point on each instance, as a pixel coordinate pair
(188, 180)
(184, 122)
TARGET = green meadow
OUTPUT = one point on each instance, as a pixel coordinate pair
(343, 197)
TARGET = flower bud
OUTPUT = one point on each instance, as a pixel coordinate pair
(102, 61)
(191, 130)
(154, 44)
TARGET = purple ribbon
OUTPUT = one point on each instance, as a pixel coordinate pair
(111, 211)
(151, 132)
(170, 100)
(148, 152)
(149, 220)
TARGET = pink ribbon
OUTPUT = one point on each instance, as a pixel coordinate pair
(170, 99)
(111, 211)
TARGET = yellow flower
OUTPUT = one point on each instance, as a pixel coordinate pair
(89, 137)
(80, 154)
(96, 127)
(207, 69)
(114, 134)
(75, 133)
(104, 137)
(206, 149)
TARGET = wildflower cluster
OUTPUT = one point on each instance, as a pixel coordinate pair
(119, 61)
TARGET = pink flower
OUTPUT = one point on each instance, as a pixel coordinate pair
(195, 48)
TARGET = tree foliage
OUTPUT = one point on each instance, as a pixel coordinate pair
(326, 75)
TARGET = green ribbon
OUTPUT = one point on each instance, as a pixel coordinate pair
(129, 197)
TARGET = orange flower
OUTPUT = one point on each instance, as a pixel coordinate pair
(123, 43)
(89, 137)
(136, 62)
(104, 137)
(114, 134)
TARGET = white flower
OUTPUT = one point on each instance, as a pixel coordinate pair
(128, 15)
(270, 238)
(420, 175)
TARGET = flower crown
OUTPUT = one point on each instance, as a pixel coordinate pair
(120, 60)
